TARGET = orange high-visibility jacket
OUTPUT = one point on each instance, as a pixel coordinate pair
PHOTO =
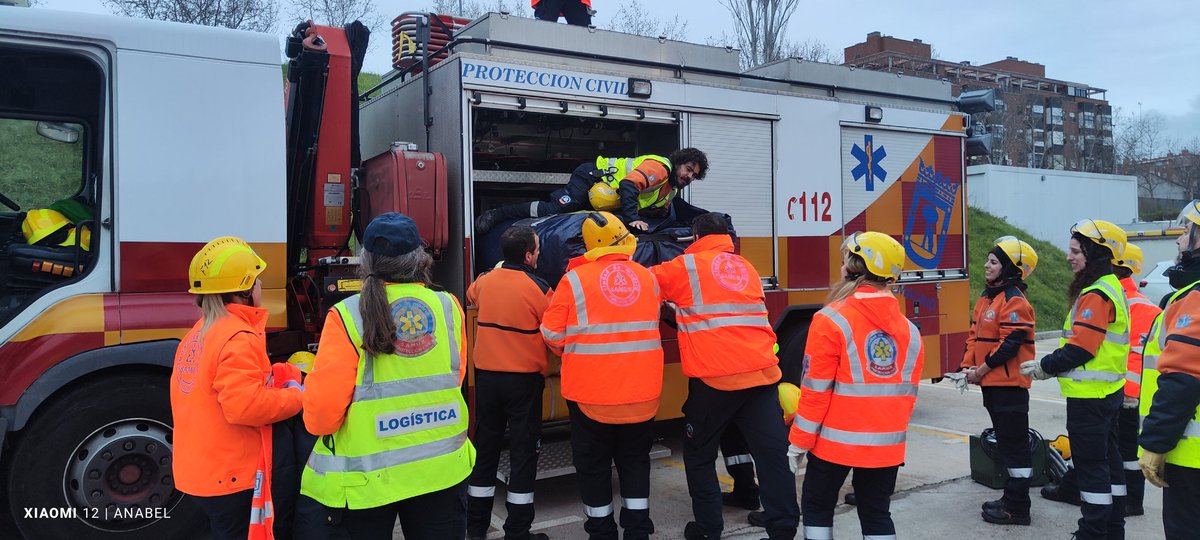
(995, 319)
(511, 301)
(864, 364)
(603, 320)
(220, 399)
(723, 325)
(1141, 315)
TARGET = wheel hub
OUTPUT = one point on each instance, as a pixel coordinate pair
(120, 469)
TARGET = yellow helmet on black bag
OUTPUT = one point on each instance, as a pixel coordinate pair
(602, 230)
(603, 197)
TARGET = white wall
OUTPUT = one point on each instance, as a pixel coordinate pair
(1046, 203)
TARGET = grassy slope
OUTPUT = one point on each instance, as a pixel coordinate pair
(36, 171)
(1047, 285)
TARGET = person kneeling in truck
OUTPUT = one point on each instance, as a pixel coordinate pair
(625, 186)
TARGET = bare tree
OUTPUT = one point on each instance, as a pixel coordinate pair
(810, 49)
(474, 8)
(258, 15)
(338, 12)
(631, 17)
(759, 25)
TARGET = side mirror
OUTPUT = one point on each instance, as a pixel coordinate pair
(978, 101)
(60, 131)
(979, 143)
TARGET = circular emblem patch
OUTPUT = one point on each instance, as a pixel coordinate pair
(989, 315)
(564, 200)
(414, 327)
(730, 272)
(881, 354)
(185, 366)
(619, 285)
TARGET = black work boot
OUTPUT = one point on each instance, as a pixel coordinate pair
(997, 504)
(757, 519)
(692, 531)
(741, 499)
(1055, 492)
(1003, 516)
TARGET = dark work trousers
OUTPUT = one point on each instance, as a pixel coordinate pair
(1181, 502)
(739, 463)
(291, 446)
(756, 412)
(575, 12)
(1092, 427)
(1135, 482)
(513, 400)
(572, 197)
(595, 447)
(1009, 408)
(315, 521)
(228, 515)
(873, 489)
(441, 515)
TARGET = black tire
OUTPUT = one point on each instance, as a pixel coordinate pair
(791, 351)
(98, 445)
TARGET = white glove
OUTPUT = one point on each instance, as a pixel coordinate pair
(795, 455)
(1033, 368)
(959, 380)
(1129, 403)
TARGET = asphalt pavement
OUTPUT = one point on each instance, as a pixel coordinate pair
(935, 496)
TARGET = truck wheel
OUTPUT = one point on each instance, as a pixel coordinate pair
(96, 463)
(791, 352)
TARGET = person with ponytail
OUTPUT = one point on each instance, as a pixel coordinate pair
(1090, 364)
(384, 397)
(864, 362)
(1000, 340)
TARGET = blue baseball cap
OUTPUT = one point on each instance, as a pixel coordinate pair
(391, 234)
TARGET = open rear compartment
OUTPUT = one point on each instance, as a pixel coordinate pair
(523, 154)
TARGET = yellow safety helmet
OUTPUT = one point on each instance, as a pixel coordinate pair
(85, 238)
(1132, 259)
(1190, 213)
(882, 253)
(602, 230)
(43, 222)
(1104, 233)
(603, 197)
(789, 398)
(1019, 253)
(302, 360)
(225, 265)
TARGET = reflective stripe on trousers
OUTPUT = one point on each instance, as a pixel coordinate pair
(818, 533)
(598, 511)
(738, 459)
(642, 503)
(519, 498)
(481, 491)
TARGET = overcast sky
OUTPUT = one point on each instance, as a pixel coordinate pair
(1146, 54)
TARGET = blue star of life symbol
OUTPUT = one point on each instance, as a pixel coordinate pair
(1183, 321)
(1086, 314)
(1013, 317)
(868, 162)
